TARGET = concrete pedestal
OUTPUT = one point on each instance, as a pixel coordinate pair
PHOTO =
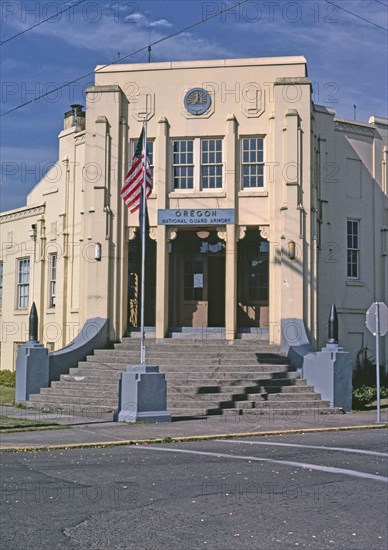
(143, 395)
(330, 372)
(32, 370)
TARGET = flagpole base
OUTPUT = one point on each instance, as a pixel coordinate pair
(143, 395)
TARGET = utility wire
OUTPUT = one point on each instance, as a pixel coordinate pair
(382, 3)
(358, 16)
(41, 22)
(144, 48)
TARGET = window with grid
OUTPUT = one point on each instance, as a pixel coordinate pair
(183, 164)
(211, 163)
(252, 162)
(23, 289)
(150, 154)
(258, 278)
(193, 280)
(1, 285)
(53, 280)
(353, 249)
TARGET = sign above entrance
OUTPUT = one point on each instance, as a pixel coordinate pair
(197, 216)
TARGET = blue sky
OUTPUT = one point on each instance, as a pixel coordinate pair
(347, 59)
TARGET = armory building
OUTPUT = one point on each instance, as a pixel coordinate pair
(265, 208)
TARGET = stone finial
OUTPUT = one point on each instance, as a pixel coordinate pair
(33, 324)
(333, 326)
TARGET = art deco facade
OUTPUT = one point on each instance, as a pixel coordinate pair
(265, 207)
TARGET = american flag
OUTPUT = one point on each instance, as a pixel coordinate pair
(131, 192)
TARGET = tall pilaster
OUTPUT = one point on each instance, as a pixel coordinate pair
(162, 256)
(231, 248)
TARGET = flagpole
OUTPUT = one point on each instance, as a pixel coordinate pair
(143, 242)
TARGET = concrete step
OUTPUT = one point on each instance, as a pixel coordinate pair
(286, 377)
(208, 347)
(292, 396)
(112, 394)
(70, 385)
(195, 367)
(151, 356)
(91, 412)
(55, 398)
(291, 409)
(219, 392)
(203, 377)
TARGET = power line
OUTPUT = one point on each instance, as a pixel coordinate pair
(382, 3)
(358, 16)
(41, 22)
(144, 48)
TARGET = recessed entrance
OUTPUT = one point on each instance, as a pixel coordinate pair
(197, 280)
(253, 281)
(134, 280)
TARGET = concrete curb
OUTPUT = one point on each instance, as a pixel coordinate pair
(102, 444)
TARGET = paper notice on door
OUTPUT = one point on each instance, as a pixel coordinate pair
(198, 280)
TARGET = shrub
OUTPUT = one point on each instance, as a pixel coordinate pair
(7, 378)
(364, 395)
(365, 373)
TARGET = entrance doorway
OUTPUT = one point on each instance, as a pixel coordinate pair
(253, 281)
(197, 280)
(134, 282)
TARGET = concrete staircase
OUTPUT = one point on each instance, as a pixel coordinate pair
(203, 378)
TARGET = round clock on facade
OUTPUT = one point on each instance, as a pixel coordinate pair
(197, 101)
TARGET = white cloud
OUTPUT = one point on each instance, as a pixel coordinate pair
(161, 23)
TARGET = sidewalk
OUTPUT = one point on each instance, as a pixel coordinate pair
(99, 429)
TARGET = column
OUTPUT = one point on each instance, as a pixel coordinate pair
(162, 233)
(231, 248)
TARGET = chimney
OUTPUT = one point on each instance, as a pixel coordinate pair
(75, 117)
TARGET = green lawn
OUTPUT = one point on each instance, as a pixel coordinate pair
(12, 424)
(7, 395)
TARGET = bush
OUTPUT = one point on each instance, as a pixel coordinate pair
(366, 394)
(365, 373)
(363, 396)
(7, 378)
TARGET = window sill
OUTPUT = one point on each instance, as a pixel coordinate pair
(253, 193)
(50, 311)
(24, 311)
(196, 194)
(354, 282)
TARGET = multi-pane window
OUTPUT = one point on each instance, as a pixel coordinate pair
(1, 285)
(252, 162)
(183, 164)
(353, 249)
(53, 280)
(211, 163)
(23, 286)
(258, 279)
(150, 154)
(193, 280)
(197, 164)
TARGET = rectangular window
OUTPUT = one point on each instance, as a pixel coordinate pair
(193, 280)
(353, 249)
(211, 163)
(150, 154)
(1, 285)
(252, 162)
(183, 164)
(53, 280)
(197, 164)
(23, 289)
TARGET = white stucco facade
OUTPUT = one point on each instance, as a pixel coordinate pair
(308, 192)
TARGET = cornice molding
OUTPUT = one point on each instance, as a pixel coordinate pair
(22, 213)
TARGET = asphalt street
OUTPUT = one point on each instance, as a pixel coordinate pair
(316, 490)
